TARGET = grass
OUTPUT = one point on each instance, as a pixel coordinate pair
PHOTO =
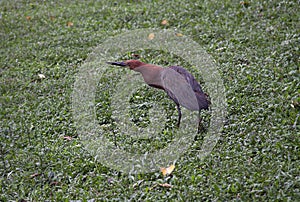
(256, 47)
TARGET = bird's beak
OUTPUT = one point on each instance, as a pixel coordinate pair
(122, 64)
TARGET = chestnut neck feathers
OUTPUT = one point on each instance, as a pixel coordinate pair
(151, 73)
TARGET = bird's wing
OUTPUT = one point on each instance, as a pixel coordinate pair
(188, 77)
(202, 98)
(179, 89)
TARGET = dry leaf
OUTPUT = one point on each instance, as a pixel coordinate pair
(41, 76)
(249, 161)
(179, 34)
(167, 171)
(34, 175)
(164, 22)
(67, 138)
(165, 185)
(70, 24)
(245, 3)
(28, 18)
(151, 36)
(52, 18)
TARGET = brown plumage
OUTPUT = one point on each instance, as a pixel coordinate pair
(177, 82)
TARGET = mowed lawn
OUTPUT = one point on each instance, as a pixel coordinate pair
(255, 46)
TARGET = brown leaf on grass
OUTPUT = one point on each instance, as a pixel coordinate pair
(70, 24)
(28, 18)
(168, 170)
(249, 161)
(179, 34)
(52, 17)
(245, 3)
(67, 138)
(165, 185)
(151, 36)
(164, 22)
(35, 175)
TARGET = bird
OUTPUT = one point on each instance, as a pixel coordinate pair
(178, 83)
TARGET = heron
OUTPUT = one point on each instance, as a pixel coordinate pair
(179, 84)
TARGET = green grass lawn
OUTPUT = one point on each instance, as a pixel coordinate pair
(256, 48)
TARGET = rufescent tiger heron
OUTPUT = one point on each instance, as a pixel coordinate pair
(180, 85)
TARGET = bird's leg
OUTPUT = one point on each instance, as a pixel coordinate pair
(199, 123)
(179, 115)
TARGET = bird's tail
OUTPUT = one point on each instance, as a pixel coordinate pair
(203, 100)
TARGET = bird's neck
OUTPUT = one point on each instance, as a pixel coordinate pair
(151, 74)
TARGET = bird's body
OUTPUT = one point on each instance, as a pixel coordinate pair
(202, 99)
(177, 82)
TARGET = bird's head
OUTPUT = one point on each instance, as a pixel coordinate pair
(132, 64)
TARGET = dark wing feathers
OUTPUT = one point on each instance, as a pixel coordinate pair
(201, 96)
